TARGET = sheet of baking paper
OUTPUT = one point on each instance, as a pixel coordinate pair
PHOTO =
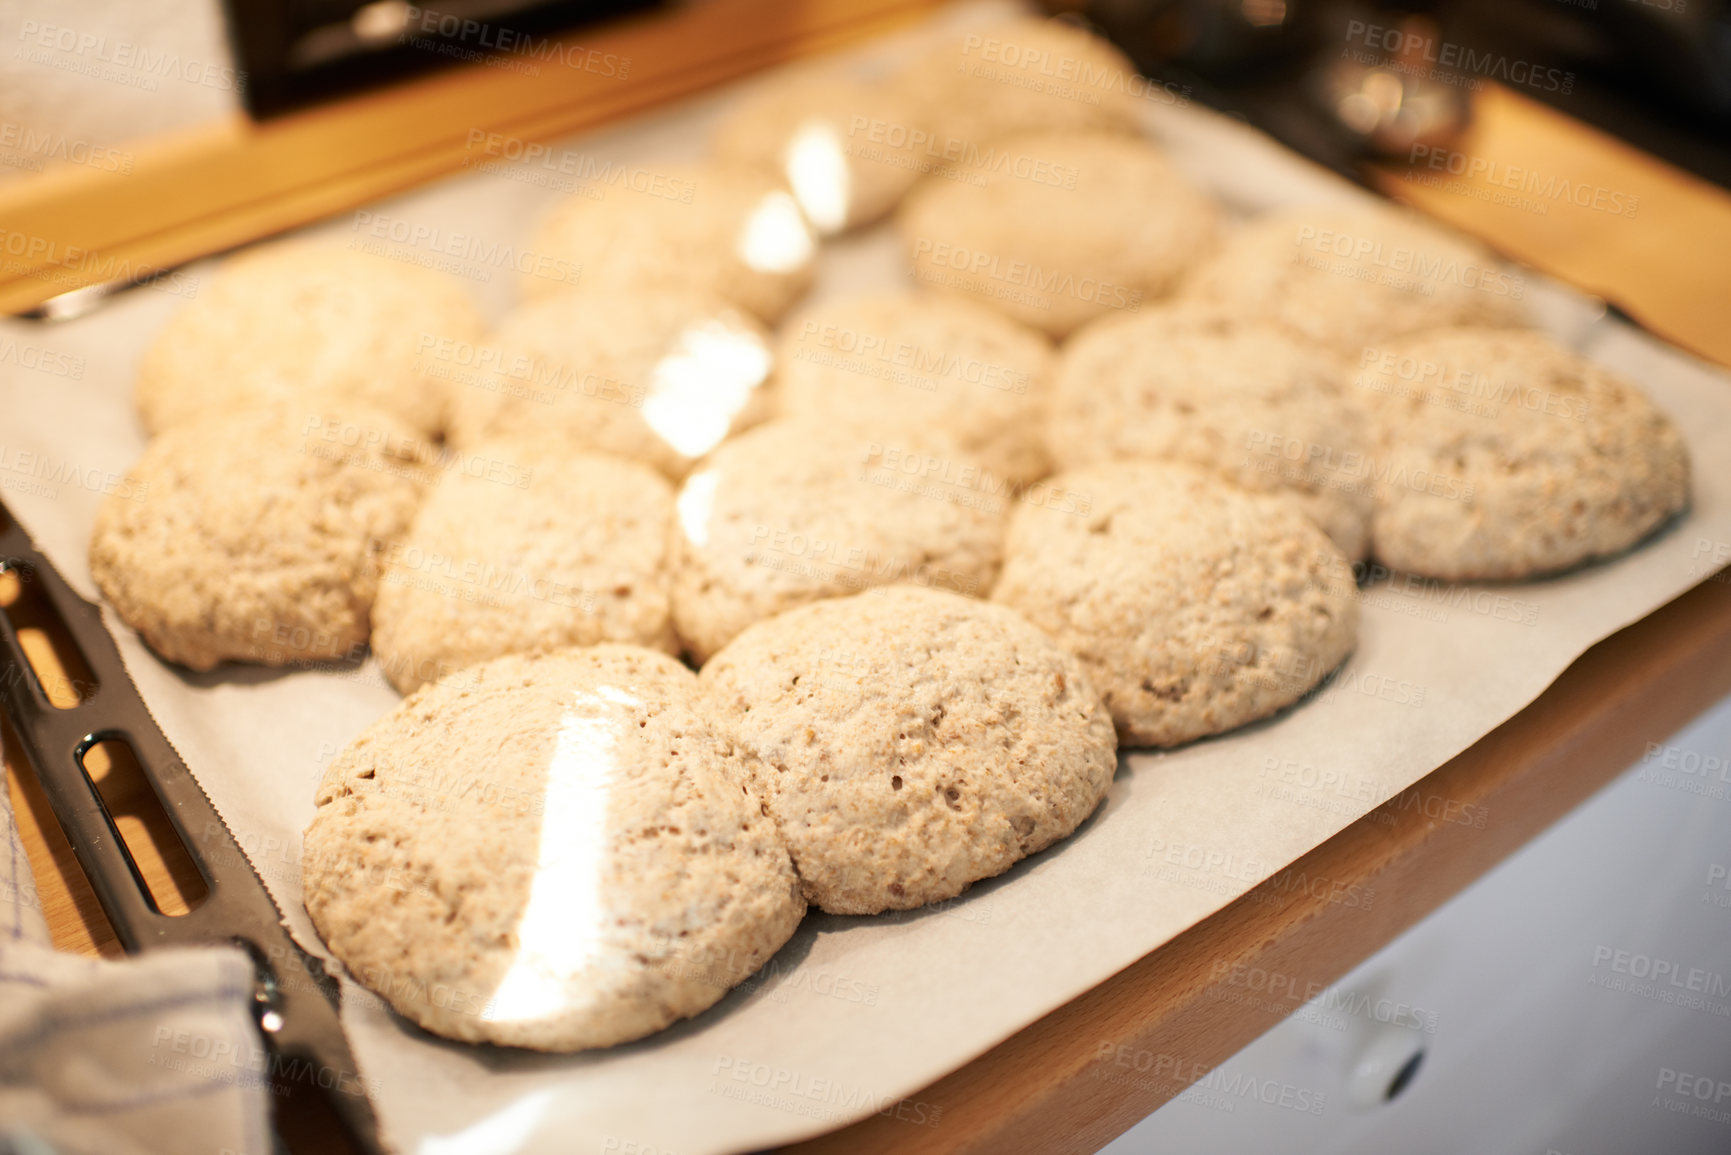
(856, 1015)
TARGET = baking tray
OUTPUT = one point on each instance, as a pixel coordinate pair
(854, 1016)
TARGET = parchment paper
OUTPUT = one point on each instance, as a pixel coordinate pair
(857, 1014)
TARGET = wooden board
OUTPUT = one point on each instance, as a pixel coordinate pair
(1588, 209)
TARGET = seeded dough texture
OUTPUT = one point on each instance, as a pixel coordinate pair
(829, 138)
(729, 230)
(256, 535)
(660, 378)
(551, 550)
(1023, 75)
(918, 361)
(1194, 606)
(793, 511)
(909, 742)
(310, 323)
(555, 852)
(1510, 457)
(1109, 227)
(1239, 399)
(1350, 278)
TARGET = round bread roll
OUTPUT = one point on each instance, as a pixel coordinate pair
(310, 323)
(728, 230)
(660, 378)
(552, 851)
(1242, 400)
(1507, 457)
(914, 361)
(1194, 606)
(525, 549)
(794, 511)
(1101, 223)
(909, 742)
(255, 535)
(848, 150)
(1025, 75)
(1349, 278)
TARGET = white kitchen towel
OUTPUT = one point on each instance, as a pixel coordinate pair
(154, 1054)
